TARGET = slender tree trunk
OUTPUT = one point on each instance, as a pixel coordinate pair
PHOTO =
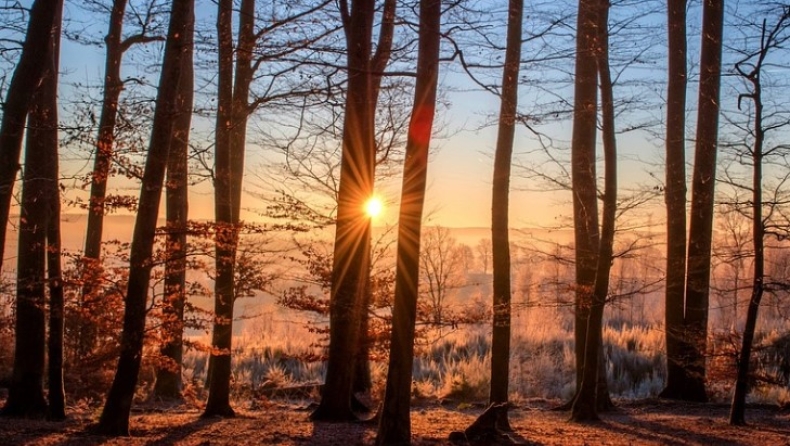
(27, 76)
(362, 379)
(168, 377)
(394, 420)
(219, 362)
(675, 198)
(500, 341)
(363, 382)
(115, 416)
(352, 232)
(737, 412)
(767, 41)
(702, 198)
(231, 136)
(56, 396)
(585, 407)
(101, 167)
(585, 203)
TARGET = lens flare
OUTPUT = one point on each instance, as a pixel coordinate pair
(374, 207)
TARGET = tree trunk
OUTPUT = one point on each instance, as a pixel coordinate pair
(738, 409)
(26, 394)
(168, 376)
(115, 416)
(675, 198)
(352, 232)
(231, 134)
(101, 168)
(363, 382)
(56, 396)
(702, 199)
(362, 379)
(585, 407)
(395, 421)
(27, 76)
(500, 341)
(219, 362)
(585, 203)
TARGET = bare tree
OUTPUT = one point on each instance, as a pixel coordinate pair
(115, 415)
(27, 76)
(702, 199)
(440, 263)
(26, 394)
(116, 46)
(350, 273)
(586, 403)
(500, 206)
(751, 68)
(675, 195)
(395, 421)
(583, 176)
(168, 376)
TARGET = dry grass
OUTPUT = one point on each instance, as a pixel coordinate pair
(641, 423)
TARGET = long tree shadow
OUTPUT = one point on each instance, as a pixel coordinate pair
(154, 435)
(663, 433)
(707, 424)
(356, 432)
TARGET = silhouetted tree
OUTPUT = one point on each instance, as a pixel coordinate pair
(27, 76)
(352, 233)
(226, 214)
(675, 196)
(394, 419)
(702, 199)
(751, 69)
(48, 133)
(586, 403)
(234, 106)
(116, 46)
(168, 375)
(26, 393)
(500, 201)
(584, 188)
(115, 415)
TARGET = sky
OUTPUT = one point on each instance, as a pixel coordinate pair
(460, 170)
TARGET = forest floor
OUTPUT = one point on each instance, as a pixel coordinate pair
(651, 422)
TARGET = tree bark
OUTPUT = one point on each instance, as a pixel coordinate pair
(754, 77)
(115, 415)
(675, 198)
(168, 377)
(394, 420)
(231, 139)
(56, 396)
(26, 394)
(500, 341)
(352, 232)
(584, 188)
(738, 409)
(113, 86)
(702, 200)
(26, 79)
(362, 379)
(585, 407)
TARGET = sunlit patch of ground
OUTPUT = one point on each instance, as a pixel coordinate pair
(638, 423)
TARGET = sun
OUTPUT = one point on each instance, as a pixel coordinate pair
(374, 207)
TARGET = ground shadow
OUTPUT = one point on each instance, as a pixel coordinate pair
(350, 433)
